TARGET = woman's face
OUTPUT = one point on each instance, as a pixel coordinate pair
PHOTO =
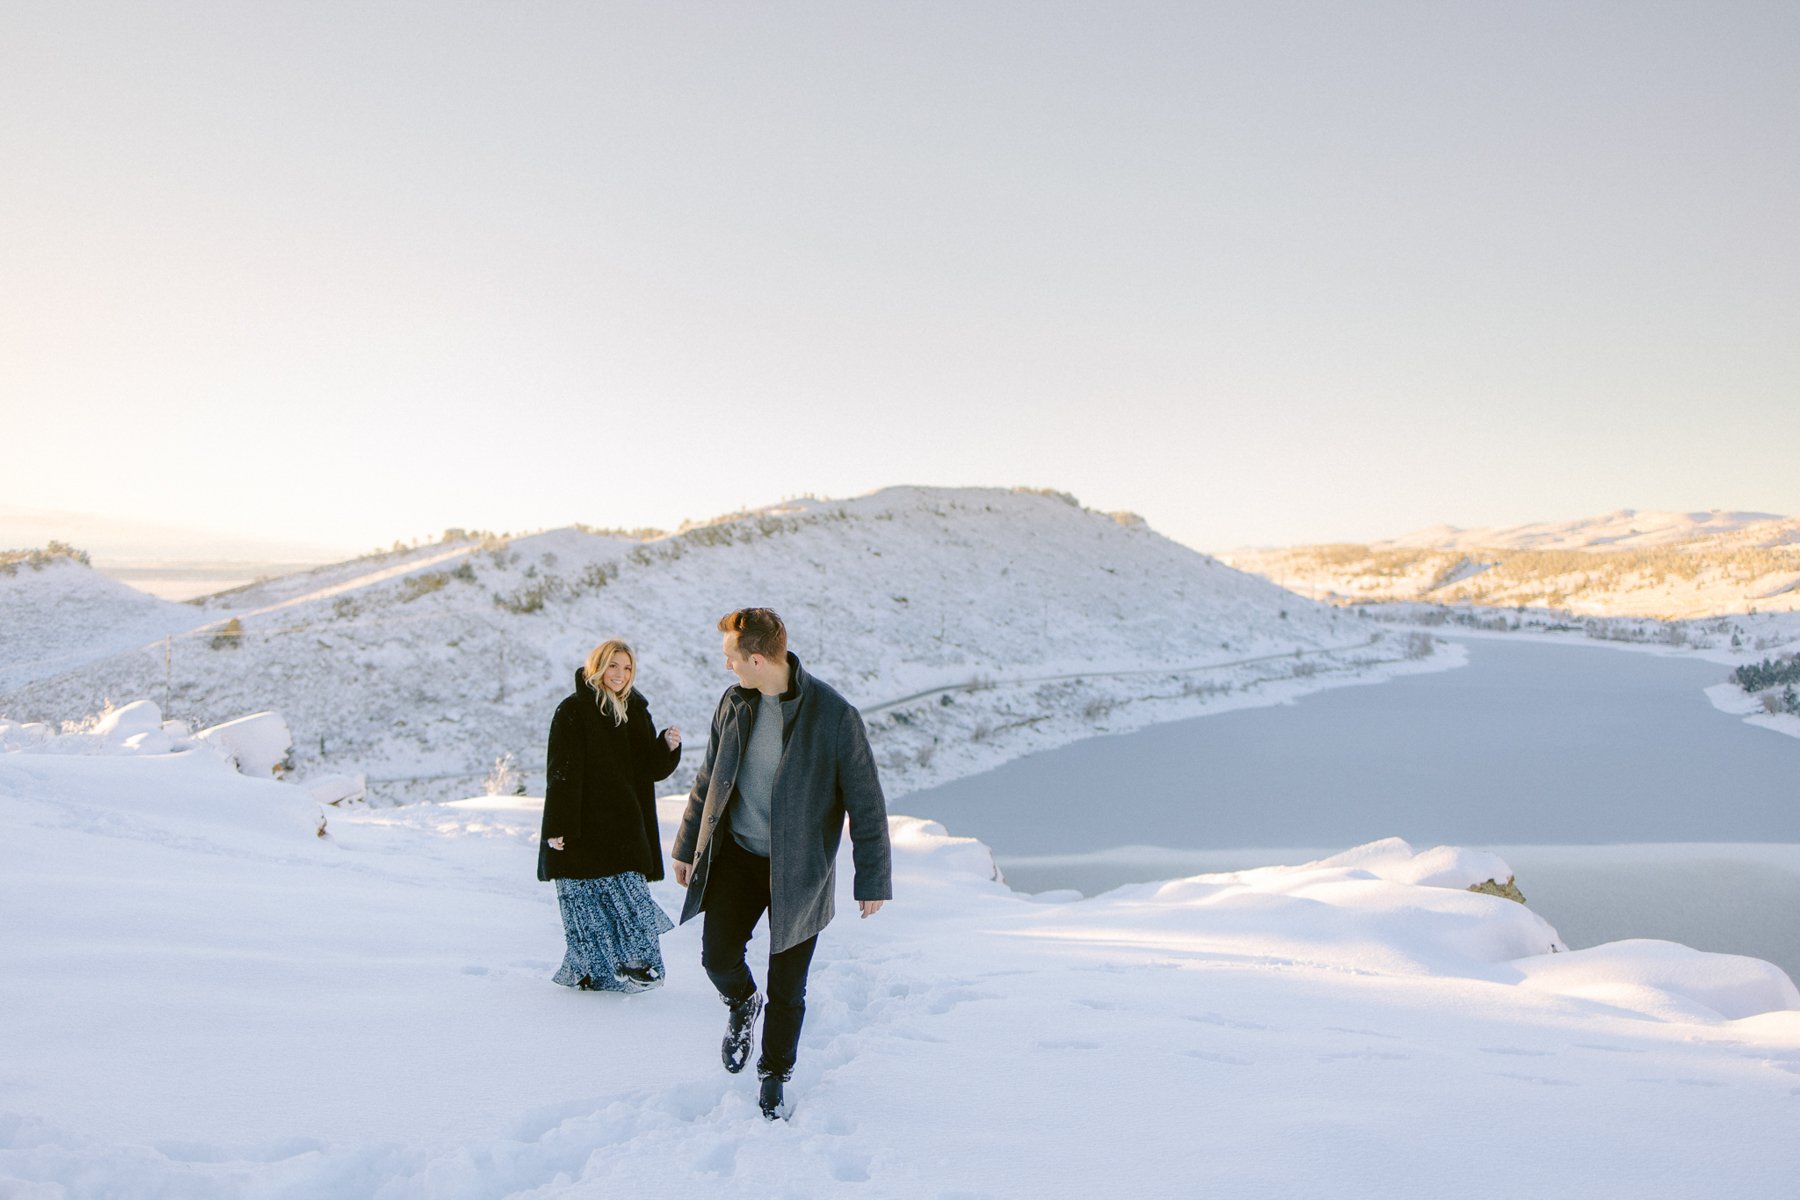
(617, 673)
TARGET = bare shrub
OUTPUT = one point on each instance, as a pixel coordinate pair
(37, 560)
(504, 779)
(414, 586)
(1065, 497)
(531, 598)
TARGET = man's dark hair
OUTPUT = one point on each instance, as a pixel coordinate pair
(759, 631)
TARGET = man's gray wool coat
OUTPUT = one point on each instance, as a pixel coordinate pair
(826, 773)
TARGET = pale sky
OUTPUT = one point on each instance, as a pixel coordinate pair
(1265, 273)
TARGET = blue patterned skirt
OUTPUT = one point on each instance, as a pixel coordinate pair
(611, 923)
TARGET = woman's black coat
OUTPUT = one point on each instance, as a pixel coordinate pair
(601, 797)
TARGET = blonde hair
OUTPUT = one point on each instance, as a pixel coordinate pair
(610, 702)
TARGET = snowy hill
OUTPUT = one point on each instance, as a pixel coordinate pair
(205, 999)
(998, 620)
(62, 615)
(1634, 564)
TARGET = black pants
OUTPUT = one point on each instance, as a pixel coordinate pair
(737, 895)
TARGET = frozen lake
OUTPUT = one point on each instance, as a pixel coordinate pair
(1545, 752)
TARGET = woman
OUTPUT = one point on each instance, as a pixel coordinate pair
(600, 839)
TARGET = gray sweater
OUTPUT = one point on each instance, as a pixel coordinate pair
(750, 810)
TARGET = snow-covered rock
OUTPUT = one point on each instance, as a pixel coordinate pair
(1665, 979)
(258, 745)
(138, 717)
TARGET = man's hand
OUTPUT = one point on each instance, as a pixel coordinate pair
(555, 843)
(870, 907)
(672, 737)
(682, 871)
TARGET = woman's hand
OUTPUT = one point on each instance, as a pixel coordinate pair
(555, 843)
(672, 735)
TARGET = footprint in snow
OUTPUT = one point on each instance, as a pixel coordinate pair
(1362, 1032)
(689, 1101)
(850, 1167)
(1213, 1018)
(721, 1161)
(945, 1001)
(1068, 1045)
(834, 1124)
(1538, 1079)
(1371, 1055)
(207, 1153)
(1230, 1060)
(1522, 1053)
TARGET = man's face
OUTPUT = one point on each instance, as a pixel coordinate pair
(746, 669)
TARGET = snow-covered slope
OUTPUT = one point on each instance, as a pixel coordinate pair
(63, 615)
(1664, 565)
(204, 999)
(420, 668)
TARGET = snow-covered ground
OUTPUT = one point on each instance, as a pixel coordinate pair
(203, 998)
(978, 624)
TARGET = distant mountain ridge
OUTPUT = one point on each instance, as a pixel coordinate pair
(424, 664)
(1624, 563)
(1627, 528)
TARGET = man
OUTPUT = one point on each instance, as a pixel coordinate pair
(788, 759)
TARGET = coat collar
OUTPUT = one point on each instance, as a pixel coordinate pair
(799, 684)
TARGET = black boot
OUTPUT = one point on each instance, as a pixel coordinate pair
(773, 1103)
(740, 1028)
(640, 977)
